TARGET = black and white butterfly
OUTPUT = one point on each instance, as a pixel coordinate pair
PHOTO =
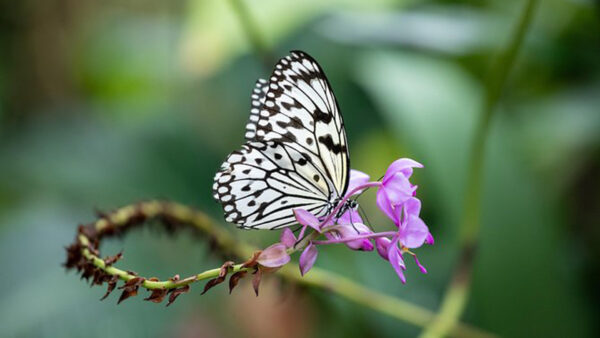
(295, 155)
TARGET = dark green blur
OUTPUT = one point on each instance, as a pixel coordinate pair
(105, 103)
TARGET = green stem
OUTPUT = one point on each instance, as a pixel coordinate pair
(252, 32)
(456, 296)
(148, 284)
(318, 278)
(380, 302)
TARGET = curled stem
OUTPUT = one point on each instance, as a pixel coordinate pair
(456, 296)
(87, 241)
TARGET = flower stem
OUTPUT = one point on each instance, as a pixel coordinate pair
(456, 296)
(252, 32)
(148, 284)
(122, 218)
(357, 237)
(382, 303)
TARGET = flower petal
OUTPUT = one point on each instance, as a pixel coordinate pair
(429, 240)
(274, 256)
(306, 218)
(350, 217)
(414, 232)
(398, 189)
(382, 244)
(412, 206)
(395, 258)
(403, 165)
(287, 238)
(308, 258)
(383, 202)
(347, 231)
(357, 178)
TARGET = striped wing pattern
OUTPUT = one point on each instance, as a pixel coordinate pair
(296, 153)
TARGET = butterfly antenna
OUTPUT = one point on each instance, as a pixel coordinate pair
(364, 215)
(353, 226)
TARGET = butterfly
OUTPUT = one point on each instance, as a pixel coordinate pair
(296, 152)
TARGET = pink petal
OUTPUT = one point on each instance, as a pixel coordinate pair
(367, 245)
(395, 258)
(398, 189)
(404, 166)
(306, 218)
(274, 256)
(350, 217)
(383, 202)
(412, 206)
(287, 238)
(357, 178)
(308, 258)
(347, 231)
(429, 240)
(414, 232)
(382, 244)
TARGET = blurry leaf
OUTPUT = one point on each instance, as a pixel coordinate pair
(451, 29)
(552, 129)
(518, 279)
(213, 34)
(430, 104)
(127, 66)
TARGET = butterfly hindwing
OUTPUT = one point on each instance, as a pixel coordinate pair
(258, 98)
(262, 183)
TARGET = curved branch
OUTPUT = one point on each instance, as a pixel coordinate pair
(83, 255)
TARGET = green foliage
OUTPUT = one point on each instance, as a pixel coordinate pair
(141, 101)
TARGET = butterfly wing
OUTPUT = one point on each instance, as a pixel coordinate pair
(296, 154)
(262, 183)
(300, 109)
(258, 98)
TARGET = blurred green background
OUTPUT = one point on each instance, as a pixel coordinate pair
(104, 103)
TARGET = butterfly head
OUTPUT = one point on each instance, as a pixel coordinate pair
(348, 205)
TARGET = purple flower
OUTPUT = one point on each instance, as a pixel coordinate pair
(383, 244)
(308, 258)
(350, 224)
(429, 240)
(307, 219)
(274, 256)
(396, 197)
(287, 238)
(395, 187)
(412, 231)
(357, 179)
(394, 255)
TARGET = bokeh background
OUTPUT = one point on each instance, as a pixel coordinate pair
(104, 103)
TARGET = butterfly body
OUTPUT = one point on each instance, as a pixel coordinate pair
(295, 155)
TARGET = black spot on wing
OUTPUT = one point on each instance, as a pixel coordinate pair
(328, 142)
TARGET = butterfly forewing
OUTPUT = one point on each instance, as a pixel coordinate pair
(296, 155)
(300, 109)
